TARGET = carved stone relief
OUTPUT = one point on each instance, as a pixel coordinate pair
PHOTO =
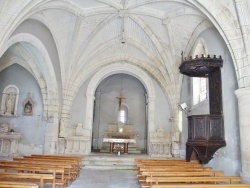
(8, 141)
(160, 143)
(76, 144)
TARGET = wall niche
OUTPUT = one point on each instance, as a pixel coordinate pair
(9, 101)
(28, 106)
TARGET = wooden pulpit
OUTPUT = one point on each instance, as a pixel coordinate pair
(206, 132)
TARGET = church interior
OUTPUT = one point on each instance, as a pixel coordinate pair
(158, 79)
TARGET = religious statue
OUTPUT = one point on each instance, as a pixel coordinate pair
(28, 106)
(9, 104)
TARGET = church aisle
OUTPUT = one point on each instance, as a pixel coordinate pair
(90, 178)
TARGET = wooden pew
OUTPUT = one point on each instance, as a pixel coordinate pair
(217, 179)
(142, 173)
(137, 160)
(142, 177)
(64, 176)
(27, 178)
(11, 184)
(69, 174)
(79, 158)
(36, 169)
(73, 161)
(168, 164)
(201, 186)
(159, 162)
(174, 169)
(181, 174)
(175, 172)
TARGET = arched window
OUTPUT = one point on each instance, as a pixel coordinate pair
(200, 85)
(123, 114)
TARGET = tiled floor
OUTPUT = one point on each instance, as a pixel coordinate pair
(106, 179)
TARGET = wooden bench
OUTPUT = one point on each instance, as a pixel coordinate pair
(201, 186)
(79, 158)
(217, 179)
(28, 178)
(174, 169)
(73, 161)
(71, 172)
(169, 165)
(157, 159)
(40, 170)
(142, 177)
(11, 184)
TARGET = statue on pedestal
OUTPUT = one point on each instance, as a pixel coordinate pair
(9, 104)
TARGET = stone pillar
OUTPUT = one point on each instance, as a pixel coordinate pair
(51, 136)
(243, 96)
(96, 136)
(151, 120)
(175, 137)
(89, 118)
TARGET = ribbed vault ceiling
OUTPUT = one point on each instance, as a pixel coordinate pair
(150, 34)
(155, 32)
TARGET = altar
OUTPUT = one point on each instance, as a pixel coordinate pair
(8, 141)
(119, 136)
(112, 141)
(120, 131)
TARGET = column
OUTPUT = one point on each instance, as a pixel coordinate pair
(243, 96)
(96, 139)
(175, 136)
(89, 118)
(151, 121)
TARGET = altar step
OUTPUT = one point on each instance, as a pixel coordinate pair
(108, 162)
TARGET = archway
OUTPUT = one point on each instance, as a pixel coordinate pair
(120, 99)
(117, 68)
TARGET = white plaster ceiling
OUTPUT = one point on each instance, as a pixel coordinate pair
(89, 35)
(153, 31)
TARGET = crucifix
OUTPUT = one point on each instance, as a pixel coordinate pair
(120, 100)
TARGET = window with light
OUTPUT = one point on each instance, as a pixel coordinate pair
(123, 114)
(200, 85)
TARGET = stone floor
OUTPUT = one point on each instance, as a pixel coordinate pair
(106, 179)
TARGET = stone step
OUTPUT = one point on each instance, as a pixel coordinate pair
(110, 167)
(108, 162)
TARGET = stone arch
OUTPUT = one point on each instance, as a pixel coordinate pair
(46, 72)
(115, 69)
(218, 23)
(45, 76)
